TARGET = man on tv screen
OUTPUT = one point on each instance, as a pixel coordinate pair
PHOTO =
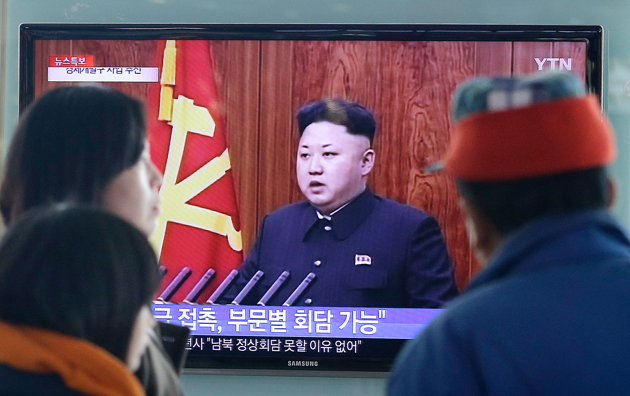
(344, 245)
(549, 313)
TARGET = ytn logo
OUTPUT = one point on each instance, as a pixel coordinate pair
(554, 63)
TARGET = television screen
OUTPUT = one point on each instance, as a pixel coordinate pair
(221, 102)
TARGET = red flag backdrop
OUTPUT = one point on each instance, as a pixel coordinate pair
(199, 225)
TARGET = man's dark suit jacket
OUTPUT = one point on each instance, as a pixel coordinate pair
(374, 252)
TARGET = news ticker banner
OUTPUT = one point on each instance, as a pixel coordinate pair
(325, 322)
(103, 74)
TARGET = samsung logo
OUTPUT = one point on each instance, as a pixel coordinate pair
(303, 363)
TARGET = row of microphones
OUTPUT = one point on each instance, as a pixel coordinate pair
(300, 289)
(227, 282)
(274, 288)
(200, 287)
(248, 287)
(175, 284)
(205, 280)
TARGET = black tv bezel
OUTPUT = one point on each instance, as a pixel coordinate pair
(593, 35)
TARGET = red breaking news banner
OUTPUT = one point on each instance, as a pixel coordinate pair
(199, 224)
(71, 60)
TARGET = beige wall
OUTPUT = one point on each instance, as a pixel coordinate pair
(3, 40)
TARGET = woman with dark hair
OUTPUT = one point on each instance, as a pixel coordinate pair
(76, 285)
(87, 145)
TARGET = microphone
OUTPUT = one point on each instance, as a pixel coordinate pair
(300, 289)
(274, 288)
(248, 287)
(172, 288)
(200, 286)
(222, 287)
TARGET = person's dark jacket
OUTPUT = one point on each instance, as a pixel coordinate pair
(157, 374)
(374, 252)
(15, 382)
(548, 316)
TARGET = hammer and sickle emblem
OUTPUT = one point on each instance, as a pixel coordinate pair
(184, 116)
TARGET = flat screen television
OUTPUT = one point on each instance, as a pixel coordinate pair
(221, 103)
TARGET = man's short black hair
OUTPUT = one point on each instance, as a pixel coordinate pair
(69, 145)
(509, 205)
(78, 271)
(355, 117)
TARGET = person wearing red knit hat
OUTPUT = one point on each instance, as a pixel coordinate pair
(548, 313)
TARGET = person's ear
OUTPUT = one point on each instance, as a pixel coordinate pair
(367, 162)
(482, 236)
(612, 193)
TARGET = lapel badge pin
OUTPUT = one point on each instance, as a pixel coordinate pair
(362, 259)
